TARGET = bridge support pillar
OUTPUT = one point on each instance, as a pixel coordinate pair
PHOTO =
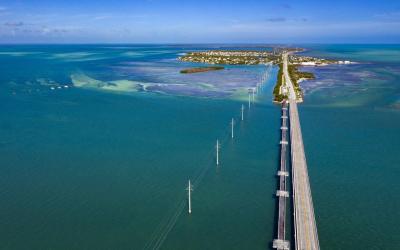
(280, 244)
(282, 193)
(283, 173)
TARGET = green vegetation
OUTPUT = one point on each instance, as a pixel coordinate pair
(230, 57)
(278, 97)
(252, 57)
(279, 80)
(296, 59)
(200, 69)
(295, 75)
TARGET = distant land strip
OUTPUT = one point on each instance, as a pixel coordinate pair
(255, 57)
(201, 69)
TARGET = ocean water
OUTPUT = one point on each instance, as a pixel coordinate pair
(97, 143)
(351, 131)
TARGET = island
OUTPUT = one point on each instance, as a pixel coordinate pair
(231, 57)
(201, 69)
(313, 61)
(281, 89)
(254, 57)
(279, 93)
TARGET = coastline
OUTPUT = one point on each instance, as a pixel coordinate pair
(201, 69)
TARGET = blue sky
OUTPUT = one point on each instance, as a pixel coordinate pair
(201, 21)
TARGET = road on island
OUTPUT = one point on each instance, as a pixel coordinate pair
(289, 84)
(306, 236)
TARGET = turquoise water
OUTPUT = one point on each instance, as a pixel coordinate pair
(97, 144)
(351, 131)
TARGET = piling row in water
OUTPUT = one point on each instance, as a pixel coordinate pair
(162, 231)
(282, 194)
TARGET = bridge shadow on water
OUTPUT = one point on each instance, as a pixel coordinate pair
(273, 195)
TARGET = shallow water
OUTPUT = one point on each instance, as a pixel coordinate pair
(351, 130)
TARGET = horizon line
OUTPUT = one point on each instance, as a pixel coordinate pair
(205, 43)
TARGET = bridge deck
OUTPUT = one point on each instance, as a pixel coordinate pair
(280, 242)
(306, 235)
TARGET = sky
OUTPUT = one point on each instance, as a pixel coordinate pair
(199, 21)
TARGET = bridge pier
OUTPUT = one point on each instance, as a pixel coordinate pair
(305, 228)
(282, 194)
(280, 244)
(283, 173)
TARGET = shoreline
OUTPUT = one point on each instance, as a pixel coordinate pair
(201, 69)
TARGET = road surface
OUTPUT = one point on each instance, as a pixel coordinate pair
(306, 235)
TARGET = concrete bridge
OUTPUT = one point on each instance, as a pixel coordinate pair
(305, 228)
(280, 242)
